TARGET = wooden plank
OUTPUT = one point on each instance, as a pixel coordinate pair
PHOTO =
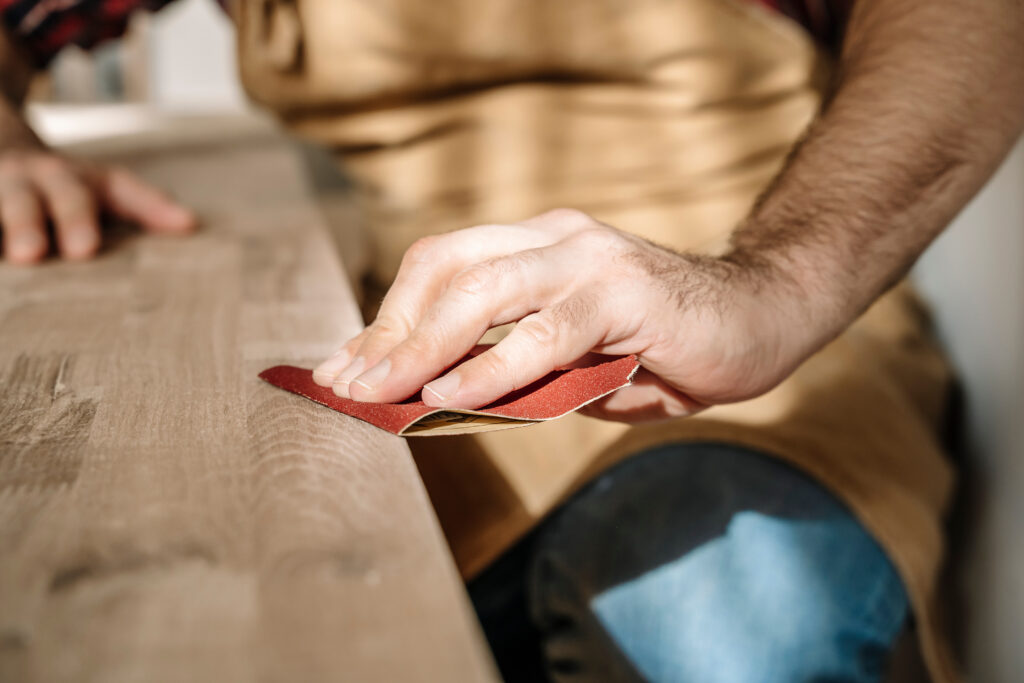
(165, 515)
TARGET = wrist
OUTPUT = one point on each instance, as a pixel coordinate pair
(15, 133)
(798, 297)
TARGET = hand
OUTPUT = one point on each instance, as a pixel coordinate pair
(38, 186)
(706, 330)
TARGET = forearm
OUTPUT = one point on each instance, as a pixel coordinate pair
(929, 98)
(48, 199)
(15, 132)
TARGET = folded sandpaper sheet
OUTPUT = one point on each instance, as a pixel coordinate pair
(559, 393)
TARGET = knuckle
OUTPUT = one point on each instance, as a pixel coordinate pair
(353, 345)
(485, 228)
(474, 280)
(598, 239)
(495, 368)
(422, 252)
(542, 330)
(357, 340)
(395, 313)
(568, 217)
(386, 328)
(424, 344)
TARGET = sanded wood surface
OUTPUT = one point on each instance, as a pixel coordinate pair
(164, 514)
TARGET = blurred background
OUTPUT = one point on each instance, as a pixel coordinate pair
(182, 61)
(177, 61)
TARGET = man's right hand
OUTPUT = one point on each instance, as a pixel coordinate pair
(40, 188)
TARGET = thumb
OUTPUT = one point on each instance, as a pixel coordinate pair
(129, 197)
(647, 399)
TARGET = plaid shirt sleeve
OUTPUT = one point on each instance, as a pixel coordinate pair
(46, 27)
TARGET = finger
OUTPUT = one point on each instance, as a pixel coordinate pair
(426, 270)
(537, 345)
(490, 293)
(430, 263)
(129, 197)
(72, 207)
(325, 373)
(24, 226)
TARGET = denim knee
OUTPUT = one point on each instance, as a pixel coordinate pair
(714, 565)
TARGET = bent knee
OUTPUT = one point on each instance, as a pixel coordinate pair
(771, 600)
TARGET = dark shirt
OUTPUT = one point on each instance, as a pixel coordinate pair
(824, 19)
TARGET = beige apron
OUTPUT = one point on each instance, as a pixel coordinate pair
(661, 117)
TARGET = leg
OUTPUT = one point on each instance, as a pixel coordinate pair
(499, 597)
(711, 563)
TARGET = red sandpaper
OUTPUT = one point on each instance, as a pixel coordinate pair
(559, 393)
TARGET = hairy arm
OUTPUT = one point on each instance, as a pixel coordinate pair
(928, 100)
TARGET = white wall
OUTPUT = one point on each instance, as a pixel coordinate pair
(192, 58)
(187, 66)
(974, 276)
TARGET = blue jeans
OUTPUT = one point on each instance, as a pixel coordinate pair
(697, 563)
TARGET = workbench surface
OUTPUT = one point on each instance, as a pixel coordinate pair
(167, 516)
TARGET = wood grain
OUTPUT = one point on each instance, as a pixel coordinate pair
(164, 514)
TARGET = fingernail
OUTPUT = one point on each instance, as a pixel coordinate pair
(354, 369)
(444, 387)
(324, 373)
(375, 376)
